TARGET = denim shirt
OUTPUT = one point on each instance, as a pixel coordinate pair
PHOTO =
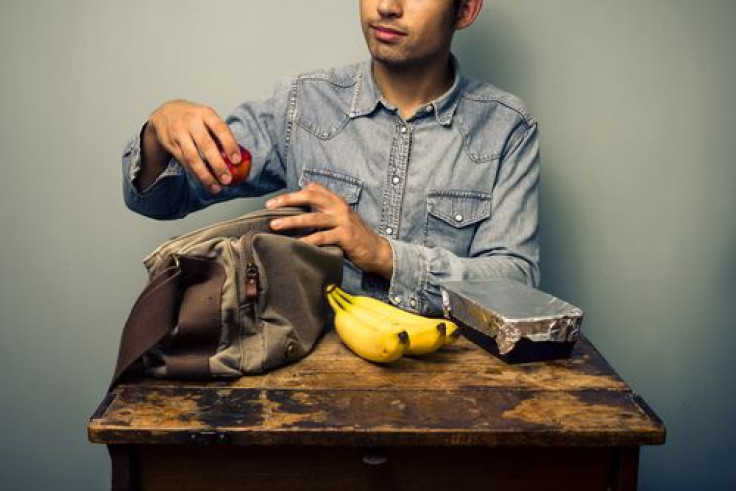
(454, 188)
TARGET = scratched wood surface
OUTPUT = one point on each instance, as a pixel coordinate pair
(458, 396)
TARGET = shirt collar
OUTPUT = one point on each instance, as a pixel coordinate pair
(367, 95)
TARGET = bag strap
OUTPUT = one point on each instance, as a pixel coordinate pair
(162, 305)
(199, 327)
(151, 317)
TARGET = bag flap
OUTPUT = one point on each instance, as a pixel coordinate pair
(258, 220)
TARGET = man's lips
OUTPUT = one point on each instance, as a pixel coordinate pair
(387, 34)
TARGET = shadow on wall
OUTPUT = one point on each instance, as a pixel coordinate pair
(493, 52)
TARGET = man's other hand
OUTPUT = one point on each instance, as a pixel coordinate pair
(337, 224)
(193, 135)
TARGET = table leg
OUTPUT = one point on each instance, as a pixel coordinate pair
(625, 469)
(125, 474)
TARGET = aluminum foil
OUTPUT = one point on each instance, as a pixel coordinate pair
(508, 311)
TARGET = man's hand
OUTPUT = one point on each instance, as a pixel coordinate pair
(188, 132)
(336, 224)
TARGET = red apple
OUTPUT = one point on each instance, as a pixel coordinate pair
(239, 171)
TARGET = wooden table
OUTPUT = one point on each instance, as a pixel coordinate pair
(458, 419)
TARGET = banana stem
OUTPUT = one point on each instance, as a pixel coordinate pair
(338, 300)
(345, 296)
(334, 304)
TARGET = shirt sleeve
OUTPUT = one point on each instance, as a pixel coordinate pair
(506, 245)
(259, 126)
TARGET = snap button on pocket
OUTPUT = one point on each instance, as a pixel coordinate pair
(452, 218)
(459, 208)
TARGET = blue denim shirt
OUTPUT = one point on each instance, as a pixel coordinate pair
(454, 188)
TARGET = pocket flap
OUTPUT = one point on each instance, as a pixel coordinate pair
(346, 186)
(459, 208)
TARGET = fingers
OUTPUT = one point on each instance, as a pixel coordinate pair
(336, 224)
(221, 132)
(313, 195)
(209, 150)
(306, 220)
(191, 160)
(322, 238)
(194, 135)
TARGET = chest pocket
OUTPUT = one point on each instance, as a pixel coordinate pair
(341, 184)
(453, 217)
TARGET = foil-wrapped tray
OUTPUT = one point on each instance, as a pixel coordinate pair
(513, 321)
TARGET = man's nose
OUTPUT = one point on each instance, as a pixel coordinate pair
(390, 8)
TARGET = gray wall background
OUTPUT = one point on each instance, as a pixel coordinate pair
(638, 114)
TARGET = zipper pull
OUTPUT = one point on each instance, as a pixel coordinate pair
(251, 280)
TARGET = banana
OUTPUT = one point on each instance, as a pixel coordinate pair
(427, 340)
(409, 321)
(424, 338)
(365, 341)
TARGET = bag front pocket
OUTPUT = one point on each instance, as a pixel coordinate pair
(452, 218)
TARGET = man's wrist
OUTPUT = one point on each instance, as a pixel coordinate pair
(384, 259)
(154, 158)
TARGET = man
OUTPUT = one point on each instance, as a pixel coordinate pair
(418, 173)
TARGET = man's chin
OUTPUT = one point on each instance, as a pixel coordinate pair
(391, 60)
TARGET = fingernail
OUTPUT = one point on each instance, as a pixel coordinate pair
(235, 158)
(215, 188)
(270, 203)
(225, 178)
(276, 223)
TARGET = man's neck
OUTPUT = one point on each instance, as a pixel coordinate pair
(408, 88)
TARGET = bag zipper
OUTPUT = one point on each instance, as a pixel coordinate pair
(251, 281)
(251, 270)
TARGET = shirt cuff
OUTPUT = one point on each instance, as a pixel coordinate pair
(409, 277)
(132, 161)
(156, 200)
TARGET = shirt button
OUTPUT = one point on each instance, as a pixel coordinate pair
(396, 179)
(389, 230)
(428, 108)
(403, 129)
(397, 299)
(413, 302)
(458, 218)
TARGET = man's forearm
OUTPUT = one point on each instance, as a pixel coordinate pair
(154, 159)
(419, 271)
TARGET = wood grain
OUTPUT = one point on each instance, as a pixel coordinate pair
(457, 397)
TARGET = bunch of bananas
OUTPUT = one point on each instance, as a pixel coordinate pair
(382, 333)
